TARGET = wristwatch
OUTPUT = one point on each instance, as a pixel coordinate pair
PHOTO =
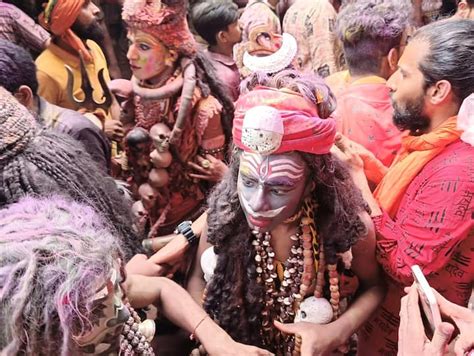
(185, 229)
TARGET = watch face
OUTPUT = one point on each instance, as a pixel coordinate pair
(184, 225)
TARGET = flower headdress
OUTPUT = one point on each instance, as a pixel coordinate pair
(165, 21)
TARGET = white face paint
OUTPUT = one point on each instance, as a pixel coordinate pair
(270, 188)
(263, 214)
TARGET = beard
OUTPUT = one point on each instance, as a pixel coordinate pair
(411, 117)
(92, 32)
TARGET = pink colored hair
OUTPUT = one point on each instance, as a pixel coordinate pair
(51, 265)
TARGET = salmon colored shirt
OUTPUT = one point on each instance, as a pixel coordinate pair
(364, 114)
(433, 228)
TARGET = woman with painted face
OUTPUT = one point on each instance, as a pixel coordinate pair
(61, 293)
(288, 242)
(179, 121)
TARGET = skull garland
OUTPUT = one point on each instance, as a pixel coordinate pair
(160, 134)
(139, 142)
(137, 147)
(161, 156)
(140, 214)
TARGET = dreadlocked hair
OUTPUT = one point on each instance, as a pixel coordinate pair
(233, 297)
(51, 266)
(52, 162)
(206, 80)
(311, 86)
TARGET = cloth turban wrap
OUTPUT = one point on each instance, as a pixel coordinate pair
(58, 17)
(270, 121)
(17, 127)
(167, 23)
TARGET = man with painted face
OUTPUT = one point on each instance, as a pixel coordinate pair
(62, 293)
(373, 34)
(75, 29)
(285, 227)
(423, 207)
(180, 117)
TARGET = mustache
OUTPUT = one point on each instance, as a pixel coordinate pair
(262, 214)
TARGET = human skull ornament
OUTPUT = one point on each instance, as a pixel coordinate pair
(138, 210)
(140, 214)
(148, 195)
(314, 310)
(262, 129)
(160, 134)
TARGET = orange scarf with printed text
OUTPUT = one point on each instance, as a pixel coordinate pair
(415, 153)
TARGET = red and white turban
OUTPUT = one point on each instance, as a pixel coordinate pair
(270, 121)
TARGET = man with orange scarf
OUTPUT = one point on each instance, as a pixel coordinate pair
(75, 29)
(423, 207)
(374, 35)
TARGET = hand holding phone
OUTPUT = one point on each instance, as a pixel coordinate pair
(427, 298)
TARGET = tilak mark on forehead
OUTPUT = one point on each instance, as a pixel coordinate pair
(262, 168)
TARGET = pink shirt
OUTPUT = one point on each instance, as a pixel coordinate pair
(227, 72)
(364, 114)
(434, 228)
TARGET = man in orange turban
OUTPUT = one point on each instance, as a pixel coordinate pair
(76, 31)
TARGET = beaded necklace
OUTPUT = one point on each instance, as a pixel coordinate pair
(305, 264)
(132, 339)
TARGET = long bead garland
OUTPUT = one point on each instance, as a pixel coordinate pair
(132, 341)
(305, 265)
(279, 302)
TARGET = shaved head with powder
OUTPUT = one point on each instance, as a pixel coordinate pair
(368, 30)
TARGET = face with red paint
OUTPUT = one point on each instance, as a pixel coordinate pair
(147, 56)
(271, 188)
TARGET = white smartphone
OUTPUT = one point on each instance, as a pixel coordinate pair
(427, 298)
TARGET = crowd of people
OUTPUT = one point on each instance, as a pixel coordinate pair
(227, 177)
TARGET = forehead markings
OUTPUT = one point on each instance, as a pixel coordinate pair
(264, 169)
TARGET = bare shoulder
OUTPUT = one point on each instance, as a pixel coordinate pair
(365, 247)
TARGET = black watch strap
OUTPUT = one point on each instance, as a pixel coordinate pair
(186, 230)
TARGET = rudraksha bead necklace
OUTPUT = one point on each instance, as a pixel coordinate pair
(283, 297)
